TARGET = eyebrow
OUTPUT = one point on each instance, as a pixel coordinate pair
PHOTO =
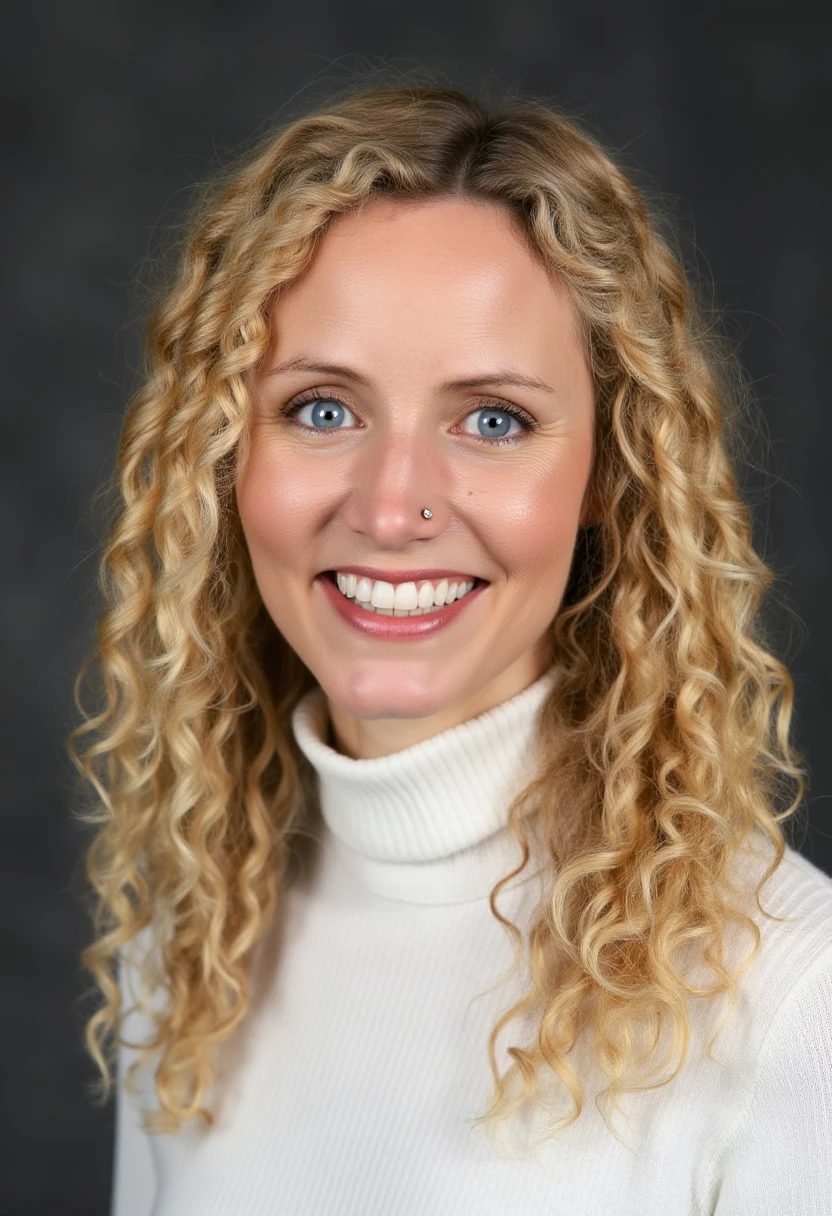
(300, 363)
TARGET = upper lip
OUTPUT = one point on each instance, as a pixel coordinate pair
(401, 576)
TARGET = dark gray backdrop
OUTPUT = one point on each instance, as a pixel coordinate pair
(112, 111)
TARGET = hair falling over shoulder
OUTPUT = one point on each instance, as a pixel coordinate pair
(667, 735)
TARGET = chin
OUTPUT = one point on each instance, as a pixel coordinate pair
(374, 690)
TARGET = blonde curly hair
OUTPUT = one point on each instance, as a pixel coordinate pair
(668, 727)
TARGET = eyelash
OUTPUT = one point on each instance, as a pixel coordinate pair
(503, 407)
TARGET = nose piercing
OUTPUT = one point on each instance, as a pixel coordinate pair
(426, 514)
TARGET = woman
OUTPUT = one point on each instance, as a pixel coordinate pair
(438, 712)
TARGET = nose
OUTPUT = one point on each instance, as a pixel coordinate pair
(393, 480)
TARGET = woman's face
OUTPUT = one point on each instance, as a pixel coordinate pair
(435, 364)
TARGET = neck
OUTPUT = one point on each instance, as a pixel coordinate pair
(427, 824)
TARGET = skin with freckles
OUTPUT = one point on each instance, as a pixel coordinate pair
(406, 298)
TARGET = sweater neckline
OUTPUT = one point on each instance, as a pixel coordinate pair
(427, 824)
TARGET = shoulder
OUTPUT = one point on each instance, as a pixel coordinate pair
(772, 1145)
(794, 961)
(796, 898)
(799, 883)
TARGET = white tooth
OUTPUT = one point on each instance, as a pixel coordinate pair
(425, 596)
(383, 594)
(352, 582)
(452, 590)
(401, 612)
(385, 611)
(415, 612)
(364, 590)
(440, 593)
(405, 596)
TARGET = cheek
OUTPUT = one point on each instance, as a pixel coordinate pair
(533, 522)
(281, 505)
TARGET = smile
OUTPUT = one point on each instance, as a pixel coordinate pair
(402, 599)
(378, 616)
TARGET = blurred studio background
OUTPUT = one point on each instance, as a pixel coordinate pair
(112, 112)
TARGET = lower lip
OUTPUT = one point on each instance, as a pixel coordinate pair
(395, 628)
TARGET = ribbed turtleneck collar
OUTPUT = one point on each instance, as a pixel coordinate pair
(428, 824)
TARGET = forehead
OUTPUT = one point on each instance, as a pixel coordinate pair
(443, 274)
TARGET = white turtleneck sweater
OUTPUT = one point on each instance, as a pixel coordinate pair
(348, 1090)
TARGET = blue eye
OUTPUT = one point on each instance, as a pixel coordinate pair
(495, 423)
(325, 413)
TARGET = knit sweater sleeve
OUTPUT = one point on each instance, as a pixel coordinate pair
(134, 1183)
(134, 1180)
(777, 1157)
